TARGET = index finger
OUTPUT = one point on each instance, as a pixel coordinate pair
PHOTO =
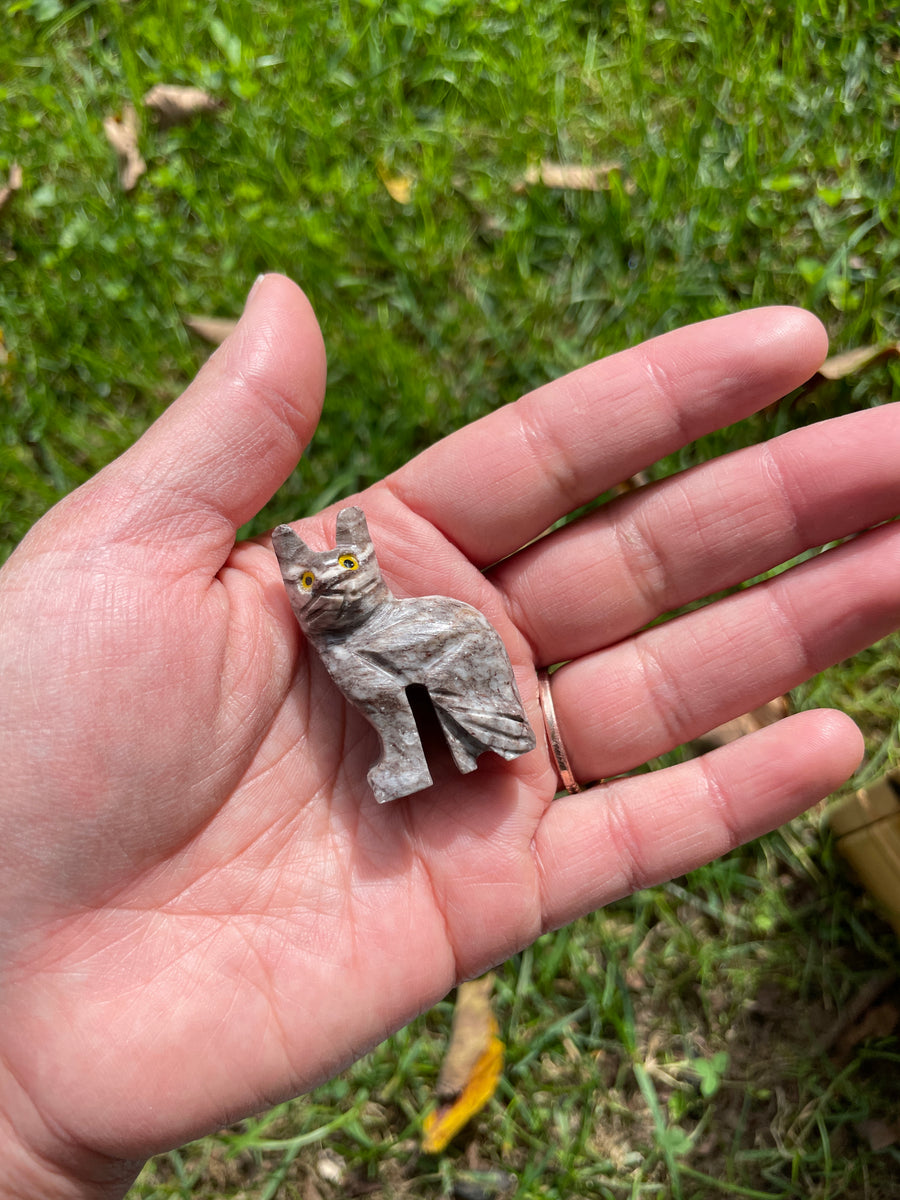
(500, 482)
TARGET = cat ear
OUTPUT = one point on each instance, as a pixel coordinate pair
(292, 552)
(352, 530)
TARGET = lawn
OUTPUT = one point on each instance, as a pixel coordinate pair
(717, 1035)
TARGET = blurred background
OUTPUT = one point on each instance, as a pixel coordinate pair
(478, 197)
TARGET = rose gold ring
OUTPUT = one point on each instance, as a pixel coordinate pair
(554, 737)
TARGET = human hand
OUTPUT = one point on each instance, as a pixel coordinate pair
(202, 908)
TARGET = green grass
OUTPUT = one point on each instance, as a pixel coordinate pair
(667, 1046)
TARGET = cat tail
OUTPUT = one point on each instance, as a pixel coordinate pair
(470, 730)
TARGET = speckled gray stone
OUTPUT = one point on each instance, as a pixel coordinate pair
(376, 646)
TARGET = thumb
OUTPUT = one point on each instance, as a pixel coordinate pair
(221, 450)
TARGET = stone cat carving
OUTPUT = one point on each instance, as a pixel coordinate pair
(376, 646)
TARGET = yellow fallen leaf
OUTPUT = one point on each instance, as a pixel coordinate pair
(212, 329)
(122, 134)
(471, 1066)
(398, 187)
(442, 1125)
(175, 104)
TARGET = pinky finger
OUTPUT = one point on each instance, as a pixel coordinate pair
(616, 838)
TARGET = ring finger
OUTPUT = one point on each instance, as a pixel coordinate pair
(627, 703)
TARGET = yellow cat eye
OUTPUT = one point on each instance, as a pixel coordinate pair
(307, 579)
(348, 562)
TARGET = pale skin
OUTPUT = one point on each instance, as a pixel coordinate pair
(202, 909)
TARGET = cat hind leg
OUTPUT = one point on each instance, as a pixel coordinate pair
(470, 731)
(464, 749)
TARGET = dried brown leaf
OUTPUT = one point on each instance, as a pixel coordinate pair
(880, 1134)
(122, 134)
(641, 479)
(211, 329)
(854, 1010)
(879, 1021)
(757, 718)
(13, 183)
(176, 104)
(839, 366)
(474, 1025)
(569, 176)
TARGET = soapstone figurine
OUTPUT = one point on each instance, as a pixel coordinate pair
(375, 646)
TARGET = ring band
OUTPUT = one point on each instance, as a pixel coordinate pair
(554, 737)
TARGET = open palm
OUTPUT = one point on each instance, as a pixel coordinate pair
(203, 910)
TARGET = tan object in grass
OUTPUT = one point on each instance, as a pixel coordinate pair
(122, 134)
(176, 104)
(13, 183)
(573, 177)
(641, 479)
(211, 329)
(757, 718)
(867, 828)
(839, 366)
(880, 1133)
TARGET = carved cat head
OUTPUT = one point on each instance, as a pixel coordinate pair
(333, 590)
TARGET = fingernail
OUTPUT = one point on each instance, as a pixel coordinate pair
(256, 282)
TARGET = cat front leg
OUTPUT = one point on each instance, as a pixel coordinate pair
(371, 682)
(402, 768)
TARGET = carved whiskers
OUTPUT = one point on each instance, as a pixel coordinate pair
(375, 647)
